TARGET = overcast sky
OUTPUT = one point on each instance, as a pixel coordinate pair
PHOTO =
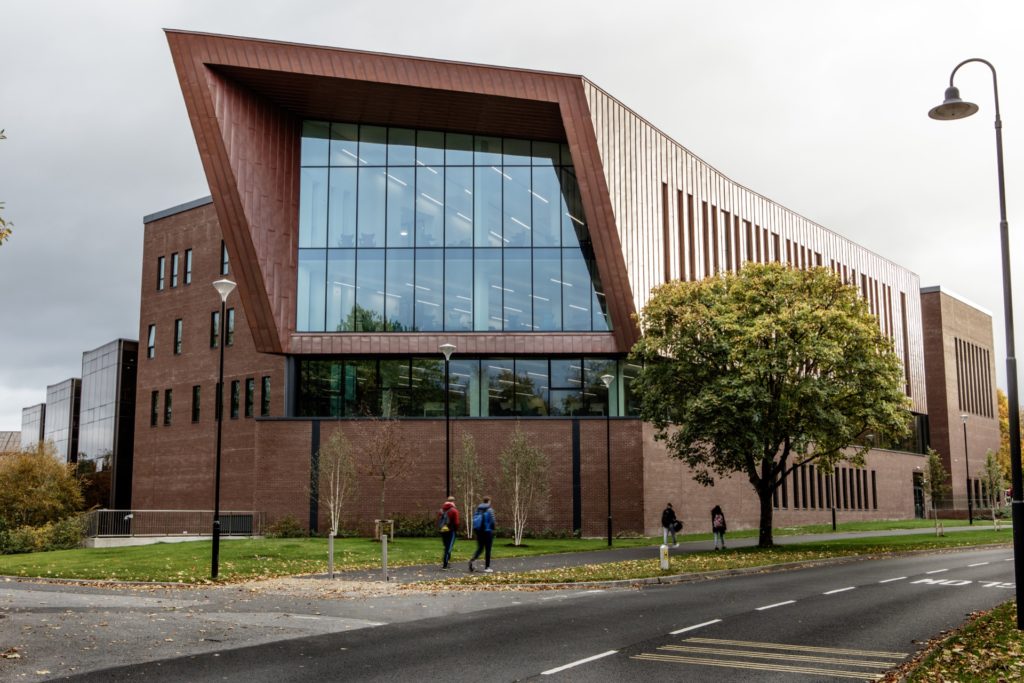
(820, 106)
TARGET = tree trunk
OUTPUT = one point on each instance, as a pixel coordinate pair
(764, 539)
(383, 487)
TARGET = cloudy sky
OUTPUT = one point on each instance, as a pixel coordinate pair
(820, 106)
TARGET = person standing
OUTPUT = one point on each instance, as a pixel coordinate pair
(448, 525)
(718, 526)
(670, 524)
(483, 527)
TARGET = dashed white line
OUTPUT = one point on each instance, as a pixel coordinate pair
(839, 590)
(695, 626)
(977, 564)
(937, 571)
(777, 604)
(577, 663)
(1009, 559)
(898, 578)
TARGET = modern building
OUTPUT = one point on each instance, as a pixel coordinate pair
(964, 420)
(10, 441)
(61, 428)
(106, 428)
(33, 424)
(372, 208)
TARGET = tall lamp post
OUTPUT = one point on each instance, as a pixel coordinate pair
(224, 288)
(608, 379)
(967, 470)
(447, 350)
(954, 108)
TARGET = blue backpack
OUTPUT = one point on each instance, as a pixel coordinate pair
(481, 520)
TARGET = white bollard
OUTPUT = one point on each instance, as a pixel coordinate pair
(384, 554)
(664, 555)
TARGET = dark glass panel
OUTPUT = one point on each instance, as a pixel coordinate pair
(318, 388)
(369, 312)
(458, 149)
(430, 206)
(341, 224)
(576, 291)
(500, 382)
(168, 401)
(196, 402)
(464, 387)
(487, 151)
(313, 208)
(598, 304)
(229, 331)
(487, 290)
(362, 388)
(427, 387)
(566, 156)
(566, 373)
(373, 145)
(344, 144)
(532, 387)
(545, 153)
(487, 206)
(265, 397)
(547, 207)
(429, 148)
(574, 222)
(630, 371)
(566, 402)
(429, 289)
(341, 289)
(314, 143)
(518, 302)
(547, 289)
(310, 292)
(215, 329)
(401, 206)
(516, 205)
(401, 146)
(395, 388)
(398, 299)
(372, 206)
(250, 396)
(458, 209)
(516, 152)
(458, 290)
(595, 393)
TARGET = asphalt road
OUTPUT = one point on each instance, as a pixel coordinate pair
(841, 622)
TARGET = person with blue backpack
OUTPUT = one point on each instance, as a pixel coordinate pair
(483, 527)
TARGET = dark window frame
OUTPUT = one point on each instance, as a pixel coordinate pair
(196, 402)
(151, 341)
(265, 396)
(175, 265)
(215, 330)
(229, 333)
(250, 396)
(179, 328)
(154, 408)
(235, 396)
(161, 264)
(188, 266)
(168, 404)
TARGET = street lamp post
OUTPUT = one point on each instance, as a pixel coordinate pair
(954, 108)
(967, 470)
(608, 379)
(224, 288)
(447, 350)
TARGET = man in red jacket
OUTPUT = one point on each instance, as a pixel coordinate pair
(448, 525)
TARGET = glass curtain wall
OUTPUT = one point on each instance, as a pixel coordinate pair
(416, 230)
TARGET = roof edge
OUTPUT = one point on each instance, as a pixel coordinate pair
(953, 295)
(180, 208)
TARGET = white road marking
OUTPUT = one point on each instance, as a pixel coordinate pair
(777, 604)
(977, 564)
(839, 590)
(1009, 559)
(577, 663)
(695, 626)
(937, 571)
(898, 578)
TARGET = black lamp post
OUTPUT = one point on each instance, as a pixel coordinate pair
(447, 350)
(954, 108)
(608, 379)
(967, 470)
(224, 288)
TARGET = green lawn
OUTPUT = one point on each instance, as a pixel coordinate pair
(247, 559)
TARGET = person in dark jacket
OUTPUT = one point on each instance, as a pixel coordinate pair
(448, 525)
(718, 526)
(483, 528)
(670, 524)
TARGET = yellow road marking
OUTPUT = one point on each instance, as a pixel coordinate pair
(776, 655)
(802, 648)
(759, 666)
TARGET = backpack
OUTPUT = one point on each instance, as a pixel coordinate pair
(480, 521)
(718, 523)
(442, 522)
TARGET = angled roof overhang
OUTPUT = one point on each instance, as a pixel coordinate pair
(246, 100)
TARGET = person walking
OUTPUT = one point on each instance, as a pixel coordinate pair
(448, 526)
(483, 527)
(718, 526)
(670, 524)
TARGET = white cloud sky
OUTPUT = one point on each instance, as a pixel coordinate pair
(820, 106)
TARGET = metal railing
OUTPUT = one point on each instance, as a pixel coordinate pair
(120, 523)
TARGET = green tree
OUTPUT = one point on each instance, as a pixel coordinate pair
(764, 370)
(5, 226)
(524, 479)
(936, 485)
(468, 479)
(36, 488)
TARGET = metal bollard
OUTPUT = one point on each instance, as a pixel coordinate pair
(330, 555)
(384, 554)
(663, 553)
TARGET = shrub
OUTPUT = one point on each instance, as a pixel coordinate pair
(36, 488)
(287, 527)
(415, 526)
(66, 534)
(61, 535)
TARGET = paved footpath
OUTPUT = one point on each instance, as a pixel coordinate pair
(533, 563)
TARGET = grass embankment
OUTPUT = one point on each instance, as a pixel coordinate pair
(988, 648)
(260, 558)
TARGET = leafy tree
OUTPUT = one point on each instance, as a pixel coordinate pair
(524, 479)
(936, 485)
(993, 483)
(468, 479)
(36, 488)
(5, 226)
(387, 455)
(764, 370)
(1004, 432)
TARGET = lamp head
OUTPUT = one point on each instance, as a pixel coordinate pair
(964, 416)
(608, 379)
(447, 350)
(952, 107)
(224, 288)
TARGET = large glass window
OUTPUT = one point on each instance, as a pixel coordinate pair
(402, 230)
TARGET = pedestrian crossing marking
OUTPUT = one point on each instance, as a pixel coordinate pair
(776, 655)
(759, 666)
(802, 648)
